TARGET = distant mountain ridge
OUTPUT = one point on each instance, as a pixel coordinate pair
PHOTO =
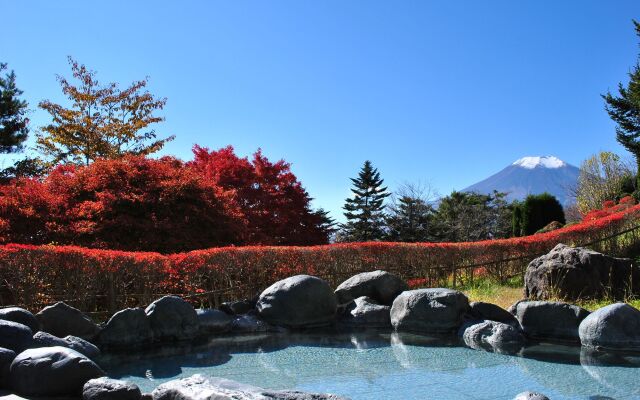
(532, 175)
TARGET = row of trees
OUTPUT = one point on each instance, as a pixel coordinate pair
(92, 183)
(414, 215)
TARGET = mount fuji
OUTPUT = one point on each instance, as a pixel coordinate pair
(532, 175)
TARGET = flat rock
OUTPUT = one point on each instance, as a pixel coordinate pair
(381, 286)
(6, 357)
(172, 318)
(15, 336)
(550, 320)
(21, 316)
(250, 324)
(214, 321)
(44, 339)
(197, 387)
(110, 389)
(482, 311)
(433, 310)
(613, 327)
(300, 301)
(574, 272)
(530, 396)
(364, 312)
(493, 336)
(51, 371)
(126, 328)
(61, 320)
(238, 307)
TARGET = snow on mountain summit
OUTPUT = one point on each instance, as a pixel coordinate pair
(544, 161)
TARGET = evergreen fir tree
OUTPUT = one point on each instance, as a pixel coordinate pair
(13, 120)
(365, 210)
(624, 110)
(409, 220)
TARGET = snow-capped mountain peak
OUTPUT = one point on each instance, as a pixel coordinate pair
(544, 161)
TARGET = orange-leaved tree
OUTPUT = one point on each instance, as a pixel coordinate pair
(103, 121)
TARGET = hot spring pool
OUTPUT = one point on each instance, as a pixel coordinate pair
(389, 366)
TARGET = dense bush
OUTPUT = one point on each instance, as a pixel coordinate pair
(103, 279)
(163, 205)
(535, 212)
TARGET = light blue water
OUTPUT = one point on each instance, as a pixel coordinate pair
(392, 366)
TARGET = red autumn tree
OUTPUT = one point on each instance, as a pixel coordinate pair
(132, 203)
(274, 206)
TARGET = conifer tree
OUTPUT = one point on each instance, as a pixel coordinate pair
(624, 110)
(13, 120)
(410, 216)
(365, 210)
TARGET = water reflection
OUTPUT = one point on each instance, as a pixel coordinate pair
(380, 364)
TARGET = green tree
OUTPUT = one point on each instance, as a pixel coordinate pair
(13, 110)
(410, 215)
(624, 110)
(465, 217)
(603, 177)
(536, 212)
(102, 122)
(365, 210)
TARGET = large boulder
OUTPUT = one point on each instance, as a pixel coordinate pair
(110, 389)
(197, 387)
(364, 312)
(613, 327)
(44, 339)
(15, 336)
(573, 273)
(6, 358)
(61, 320)
(493, 336)
(549, 320)
(380, 286)
(126, 328)
(481, 311)
(297, 302)
(21, 316)
(51, 371)
(433, 310)
(214, 321)
(172, 318)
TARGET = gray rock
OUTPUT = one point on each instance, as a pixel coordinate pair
(21, 316)
(479, 310)
(613, 327)
(575, 273)
(15, 336)
(51, 371)
(197, 387)
(550, 320)
(214, 321)
(110, 389)
(172, 318)
(363, 312)
(126, 328)
(44, 339)
(298, 302)
(6, 357)
(249, 324)
(433, 310)
(380, 286)
(61, 320)
(238, 307)
(493, 336)
(530, 396)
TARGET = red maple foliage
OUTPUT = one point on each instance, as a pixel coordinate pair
(273, 205)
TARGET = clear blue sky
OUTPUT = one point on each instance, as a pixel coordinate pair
(444, 92)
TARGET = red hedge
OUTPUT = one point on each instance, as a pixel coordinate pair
(101, 280)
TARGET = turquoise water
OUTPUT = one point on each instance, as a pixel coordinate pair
(390, 366)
